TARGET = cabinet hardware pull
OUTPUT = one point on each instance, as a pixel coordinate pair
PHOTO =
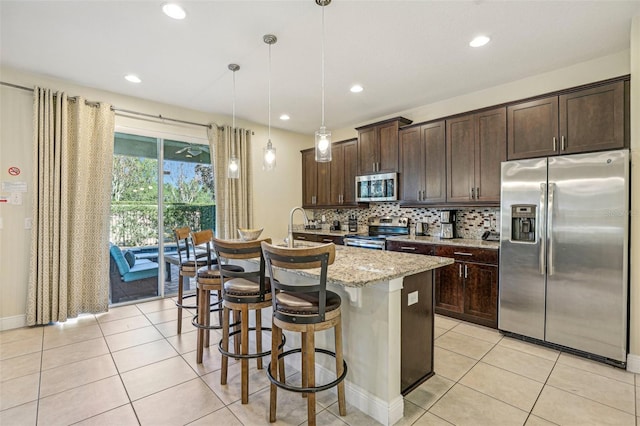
(466, 271)
(301, 238)
(419, 195)
(462, 253)
(424, 195)
(477, 192)
(471, 193)
(407, 248)
(555, 143)
(460, 270)
(327, 240)
(562, 143)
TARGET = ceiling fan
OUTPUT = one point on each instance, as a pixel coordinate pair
(193, 150)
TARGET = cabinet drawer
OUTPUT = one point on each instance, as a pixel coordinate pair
(468, 254)
(330, 239)
(305, 237)
(405, 247)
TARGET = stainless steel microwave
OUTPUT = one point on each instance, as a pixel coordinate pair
(380, 187)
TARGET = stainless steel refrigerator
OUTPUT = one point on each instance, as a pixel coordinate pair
(564, 252)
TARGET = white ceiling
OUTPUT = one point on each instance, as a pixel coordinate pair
(405, 53)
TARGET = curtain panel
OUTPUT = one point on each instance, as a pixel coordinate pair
(72, 160)
(234, 197)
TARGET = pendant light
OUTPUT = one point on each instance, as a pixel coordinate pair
(323, 136)
(269, 157)
(234, 163)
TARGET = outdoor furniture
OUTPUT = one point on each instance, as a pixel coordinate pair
(131, 279)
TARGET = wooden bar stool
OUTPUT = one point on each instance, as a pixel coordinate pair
(187, 267)
(207, 280)
(306, 309)
(243, 291)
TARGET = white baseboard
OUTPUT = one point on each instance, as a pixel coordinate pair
(633, 363)
(8, 323)
(371, 405)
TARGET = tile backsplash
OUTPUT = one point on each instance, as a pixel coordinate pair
(471, 222)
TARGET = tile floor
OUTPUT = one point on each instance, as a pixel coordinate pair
(129, 367)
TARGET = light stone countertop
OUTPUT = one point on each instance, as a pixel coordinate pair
(360, 267)
(493, 245)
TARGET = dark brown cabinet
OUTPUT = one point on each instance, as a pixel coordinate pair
(468, 288)
(343, 173)
(330, 184)
(407, 247)
(592, 119)
(315, 181)
(318, 238)
(422, 164)
(378, 146)
(475, 149)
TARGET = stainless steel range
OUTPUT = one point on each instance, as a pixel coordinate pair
(379, 229)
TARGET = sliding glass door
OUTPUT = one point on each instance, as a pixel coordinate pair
(158, 185)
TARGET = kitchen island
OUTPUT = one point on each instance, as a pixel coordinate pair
(377, 289)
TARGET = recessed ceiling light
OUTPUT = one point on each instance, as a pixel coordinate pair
(174, 11)
(132, 78)
(284, 117)
(479, 41)
(356, 88)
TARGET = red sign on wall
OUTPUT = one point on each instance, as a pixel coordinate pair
(14, 171)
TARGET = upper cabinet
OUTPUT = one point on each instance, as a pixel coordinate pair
(422, 164)
(587, 120)
(330, 184)
(378, 146)
(343, 173)
(475, 149)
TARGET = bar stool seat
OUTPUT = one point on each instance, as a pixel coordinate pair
(304, 308)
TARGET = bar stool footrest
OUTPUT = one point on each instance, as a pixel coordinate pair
(183, 306)
(252, 355)
(312, 389)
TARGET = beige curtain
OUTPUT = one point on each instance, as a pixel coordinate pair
(234, 197)
(73, 156)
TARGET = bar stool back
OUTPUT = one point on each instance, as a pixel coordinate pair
(207, 280)
(242, 291)
(304, 308)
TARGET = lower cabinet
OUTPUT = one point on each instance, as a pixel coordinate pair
(318, 238)
(466, 289)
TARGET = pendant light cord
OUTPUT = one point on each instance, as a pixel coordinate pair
(269, 92)
(233, 108)
(323, 65)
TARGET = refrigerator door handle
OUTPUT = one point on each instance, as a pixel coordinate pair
(541, 234)
(550, 229)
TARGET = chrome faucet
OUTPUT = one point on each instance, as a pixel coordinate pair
(306, 222)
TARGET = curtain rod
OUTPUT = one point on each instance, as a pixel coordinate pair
(125, 111)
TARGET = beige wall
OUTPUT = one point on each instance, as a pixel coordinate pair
(275, 193)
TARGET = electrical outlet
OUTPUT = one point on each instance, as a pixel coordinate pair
(16, 198)
(412, 298)
(27, 223)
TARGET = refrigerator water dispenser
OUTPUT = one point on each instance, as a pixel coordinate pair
(523, 223)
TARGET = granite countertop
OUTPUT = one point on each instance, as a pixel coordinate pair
(494, 245)
(360, 267)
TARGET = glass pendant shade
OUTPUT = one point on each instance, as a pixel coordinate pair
(323, 145)
(269, 158)
(234, 168)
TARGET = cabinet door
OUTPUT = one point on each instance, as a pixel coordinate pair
(434, 142)
(337, 174)
(309, 178)
(533, 129)
(481, 293)
(350, 171)
(592, 119)
(324, 184)
(367, 150)
(460, 158)
(412, 164)
(449, 288)
(491, 150)
(388, 142)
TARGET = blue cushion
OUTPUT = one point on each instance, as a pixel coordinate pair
(130, 258)
(121, 262)
(141, 270)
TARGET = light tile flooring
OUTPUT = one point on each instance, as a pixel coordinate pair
(129, 367)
